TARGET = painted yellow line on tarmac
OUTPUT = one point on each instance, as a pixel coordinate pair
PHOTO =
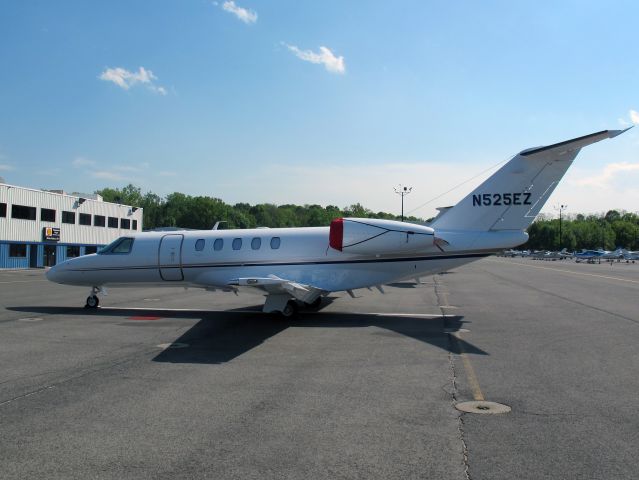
(470, 371)
(583, 274)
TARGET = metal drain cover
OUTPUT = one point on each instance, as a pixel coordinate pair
(482, 407)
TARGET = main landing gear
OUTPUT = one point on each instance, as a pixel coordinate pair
(92, 300)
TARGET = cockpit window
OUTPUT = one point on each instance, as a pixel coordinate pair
(122, 245)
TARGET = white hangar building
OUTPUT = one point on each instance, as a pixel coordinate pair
(39, 228)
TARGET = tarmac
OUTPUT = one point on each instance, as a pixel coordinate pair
(175, 383)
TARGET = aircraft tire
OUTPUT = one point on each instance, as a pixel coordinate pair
(92, 301)
(290, 310)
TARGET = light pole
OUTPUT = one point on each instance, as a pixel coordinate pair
(402, 192)
(561, 209)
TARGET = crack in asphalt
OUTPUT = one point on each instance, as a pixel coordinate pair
(453, 373)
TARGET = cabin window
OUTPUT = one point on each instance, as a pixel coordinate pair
(23, 212)
(135, 224)
(3, 209)
(68, 217)
(73, 251)
(256, 243)
(237, 243)
(99, 220)
(85, 219)
(18, 250)
(89, 249)
(47, 215)
(113, 222)
(275, 243)
(199, 245)
(122, 246)
(218, 244)
(125, 223)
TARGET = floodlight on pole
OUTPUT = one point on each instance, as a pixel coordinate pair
(402, 191)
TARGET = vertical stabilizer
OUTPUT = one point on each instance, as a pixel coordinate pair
(513, 196)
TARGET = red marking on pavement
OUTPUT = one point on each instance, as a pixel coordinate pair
(144, 317)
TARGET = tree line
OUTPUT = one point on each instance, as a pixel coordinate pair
(609, 230)
(202, 212)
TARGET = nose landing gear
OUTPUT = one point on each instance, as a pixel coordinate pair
(92, 300)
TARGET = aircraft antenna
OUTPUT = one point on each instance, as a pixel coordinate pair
(458, 185)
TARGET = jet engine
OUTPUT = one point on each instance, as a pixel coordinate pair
(368, 236)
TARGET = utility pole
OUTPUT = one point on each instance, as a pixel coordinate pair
(402, 191)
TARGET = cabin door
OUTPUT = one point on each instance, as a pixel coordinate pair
(170, 258)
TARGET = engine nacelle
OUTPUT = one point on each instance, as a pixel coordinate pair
(369, 236)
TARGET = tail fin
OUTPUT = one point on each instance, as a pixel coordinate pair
(513, 196)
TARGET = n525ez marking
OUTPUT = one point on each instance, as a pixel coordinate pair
(488, 199)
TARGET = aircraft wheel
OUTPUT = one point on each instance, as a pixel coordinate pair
(290, 310)
(92, 301)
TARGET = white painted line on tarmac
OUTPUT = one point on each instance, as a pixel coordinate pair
(25, 281)
(583, 274)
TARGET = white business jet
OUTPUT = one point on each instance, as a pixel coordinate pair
(294, 266)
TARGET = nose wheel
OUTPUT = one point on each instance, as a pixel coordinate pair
(92, 300)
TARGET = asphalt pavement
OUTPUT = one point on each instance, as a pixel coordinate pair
(175, 383)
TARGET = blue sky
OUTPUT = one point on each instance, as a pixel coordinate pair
(328, 102)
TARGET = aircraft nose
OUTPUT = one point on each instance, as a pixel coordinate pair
(53, 275)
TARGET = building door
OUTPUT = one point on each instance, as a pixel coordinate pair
(33, 256)
(49, 255)
(170, 258)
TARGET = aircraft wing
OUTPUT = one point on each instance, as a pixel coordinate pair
(276, 285)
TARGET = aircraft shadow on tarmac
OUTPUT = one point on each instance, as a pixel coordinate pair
(220, 336)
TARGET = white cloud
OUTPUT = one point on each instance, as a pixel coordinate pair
(107, 175)
(126, 79)
(607, 175)
(634, 117)
(4, 167)
(325, 57)
(82, 162)
(244, 14)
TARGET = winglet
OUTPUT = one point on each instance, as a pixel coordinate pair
(615, 133)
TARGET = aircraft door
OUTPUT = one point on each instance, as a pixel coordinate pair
(170, 258)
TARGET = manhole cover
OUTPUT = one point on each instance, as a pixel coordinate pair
(172, 345)
(482, 407)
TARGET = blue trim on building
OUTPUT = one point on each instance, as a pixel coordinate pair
(24, 262)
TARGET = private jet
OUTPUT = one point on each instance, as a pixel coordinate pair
(296, 267)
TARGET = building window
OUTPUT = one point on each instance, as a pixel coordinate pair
(256, 243)
(91, 248)
(68, 217)
(199, 245)
(113, 222)
(275, 243)
(72, 251)
(3, 209)
(18, 250)
(237, 243)
(85, 219)
(99, 221)
(22, 212)
(125, 223)
(47, 215)
(218, 244)
(135, 224)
